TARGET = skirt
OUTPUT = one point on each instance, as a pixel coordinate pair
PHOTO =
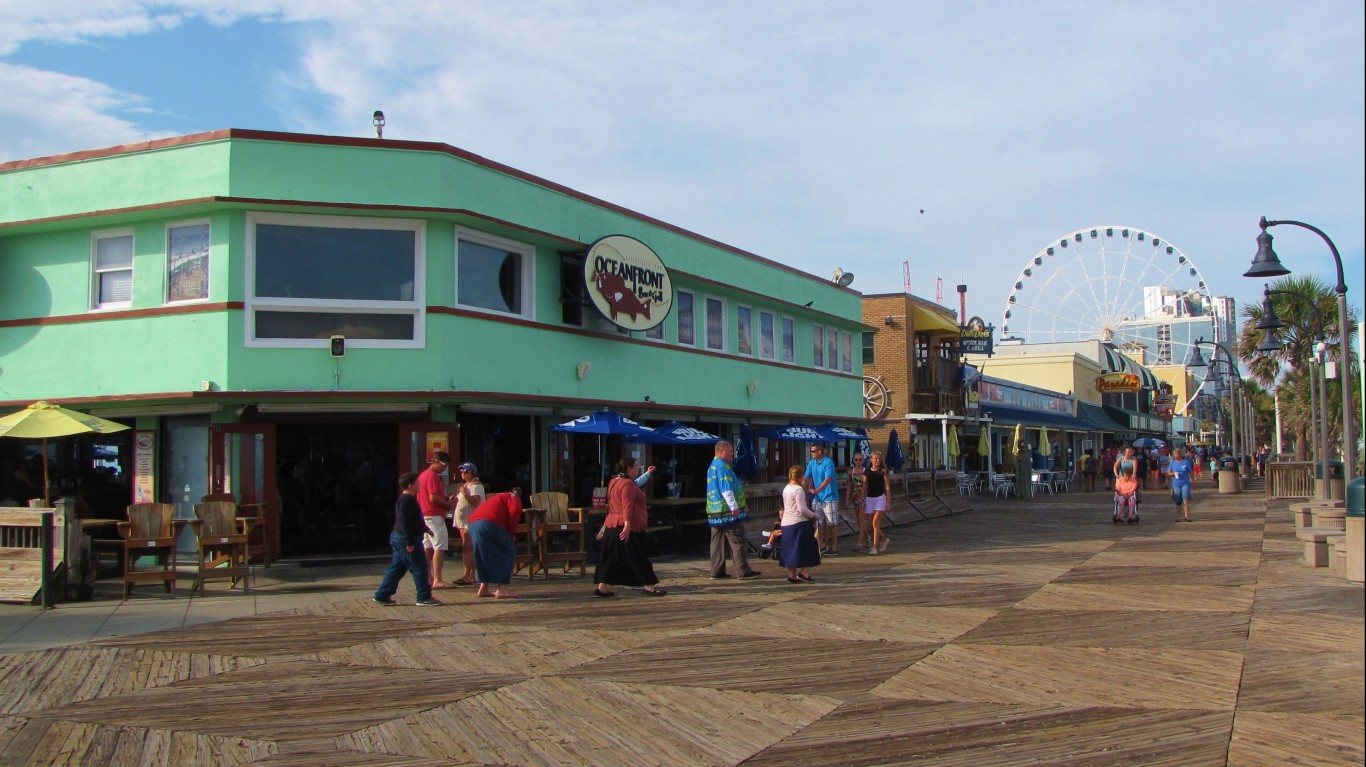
(798, 546)
(624, 563)
(494, 552)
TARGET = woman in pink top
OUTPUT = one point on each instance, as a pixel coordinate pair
(799, 550)
(622, 559)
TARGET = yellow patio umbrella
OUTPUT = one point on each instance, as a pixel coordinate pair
(43, 419)
(984, 441)
(1019, 438)
(953, 441)
(1043, 441)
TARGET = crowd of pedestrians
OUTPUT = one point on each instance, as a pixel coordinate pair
(807, 528)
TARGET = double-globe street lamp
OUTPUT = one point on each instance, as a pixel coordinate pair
(1194, 359)
(1318, 382)
(1266, 264)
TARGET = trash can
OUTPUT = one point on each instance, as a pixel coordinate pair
(1229, 483)
(1336, 489)
(1356, 530)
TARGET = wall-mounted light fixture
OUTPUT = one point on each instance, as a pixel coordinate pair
(583, 369)
(842, 277)
(336, 345)
(377, 120)
(889, 322)
(752, 387)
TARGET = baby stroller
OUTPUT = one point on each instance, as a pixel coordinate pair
(1124, 511)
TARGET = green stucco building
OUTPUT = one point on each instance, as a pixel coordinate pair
(297, 319)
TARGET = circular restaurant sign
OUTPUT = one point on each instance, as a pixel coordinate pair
(627, 282)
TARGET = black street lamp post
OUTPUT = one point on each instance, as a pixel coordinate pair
(1266, 264)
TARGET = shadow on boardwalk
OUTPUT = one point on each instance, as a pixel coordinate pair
(1022, 632)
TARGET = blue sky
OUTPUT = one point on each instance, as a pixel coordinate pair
(811, 133)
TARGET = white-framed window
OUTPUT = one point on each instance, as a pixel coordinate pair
(187, 261)
(818, 346)
(766, 345)
(310, 277)
(744, 331)
(493, 274)
(716, 324)
(832, 349)
(111, 269)
(789, 340)
(846, 351)
(687, 323)
(868, 348)
(655, 333)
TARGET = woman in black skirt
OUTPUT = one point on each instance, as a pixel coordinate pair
(799, 551)
(622, 559)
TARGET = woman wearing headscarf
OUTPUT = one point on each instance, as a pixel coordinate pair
(622, 559)
(493, 533)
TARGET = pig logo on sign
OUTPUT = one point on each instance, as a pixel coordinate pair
(619, 297)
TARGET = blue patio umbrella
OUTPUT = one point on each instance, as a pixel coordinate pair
(796, 432)
(678, 433)
(864, 446)
(895, 458)
(606, 422)
(836, 433)
(746, 461)
(1146, 442)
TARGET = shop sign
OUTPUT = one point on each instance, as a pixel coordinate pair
(975, 337)
(627, 282)
(973, 402)
(1118, 382)
(144, 466)
(1164, 406)
(1027, 400)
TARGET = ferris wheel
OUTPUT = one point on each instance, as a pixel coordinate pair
(1111, 283)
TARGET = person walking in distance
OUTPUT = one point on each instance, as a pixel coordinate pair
(820, 483)
(431, 496)
(875, 505)
(726, 515)
(1181, 470)
(405, 544)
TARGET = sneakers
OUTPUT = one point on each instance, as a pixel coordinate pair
(872, 552)
(720, 577)
(882, 546)
(429, 602)
(825, 552)
(832, 553)
(751, 574)
(385, 602)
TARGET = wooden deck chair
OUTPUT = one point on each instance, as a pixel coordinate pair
(221, 545)
(150, 531)
(566, 540)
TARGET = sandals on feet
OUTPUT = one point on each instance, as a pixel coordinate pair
(597, 593)
(654, 592)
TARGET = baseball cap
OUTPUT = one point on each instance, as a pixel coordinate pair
(467, 466)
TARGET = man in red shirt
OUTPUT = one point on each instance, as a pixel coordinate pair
(431, 496)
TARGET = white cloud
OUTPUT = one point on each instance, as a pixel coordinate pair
(43, 110)
(812, 133)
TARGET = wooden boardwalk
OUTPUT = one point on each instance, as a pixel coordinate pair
(1019, 633)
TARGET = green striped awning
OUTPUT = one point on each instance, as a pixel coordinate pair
(1118, 362)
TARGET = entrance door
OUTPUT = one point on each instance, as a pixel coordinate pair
(242, 462)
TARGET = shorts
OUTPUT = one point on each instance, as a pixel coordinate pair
(436, 538)
(873, 505)
(1181, 492)
(829, 511)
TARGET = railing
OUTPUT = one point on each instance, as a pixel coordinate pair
(1289, 479)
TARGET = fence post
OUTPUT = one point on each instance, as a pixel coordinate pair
(46, 542)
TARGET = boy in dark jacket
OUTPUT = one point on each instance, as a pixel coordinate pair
(406, 542)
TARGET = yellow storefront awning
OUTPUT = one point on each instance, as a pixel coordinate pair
(931, 320)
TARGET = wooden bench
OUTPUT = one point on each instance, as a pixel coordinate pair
(21, 553)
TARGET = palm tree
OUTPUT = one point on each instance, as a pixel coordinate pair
(1308, 307)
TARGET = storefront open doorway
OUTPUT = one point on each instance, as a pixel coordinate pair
(337, 483)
